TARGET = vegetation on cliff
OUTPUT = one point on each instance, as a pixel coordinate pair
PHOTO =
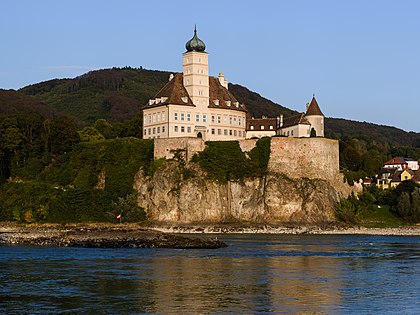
(225, 161)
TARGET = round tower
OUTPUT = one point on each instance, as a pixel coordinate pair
(315, 117)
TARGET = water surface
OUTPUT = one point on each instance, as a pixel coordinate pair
(255, 274)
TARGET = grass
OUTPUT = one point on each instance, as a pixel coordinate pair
(381, 217)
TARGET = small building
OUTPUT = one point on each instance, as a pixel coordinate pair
(299, 125)
(402, 163)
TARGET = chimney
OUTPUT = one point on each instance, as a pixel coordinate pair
(223, 80)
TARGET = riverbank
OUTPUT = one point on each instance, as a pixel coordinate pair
(270, 229)
(100, 236)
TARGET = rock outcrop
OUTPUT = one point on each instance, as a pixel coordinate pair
(275, 198)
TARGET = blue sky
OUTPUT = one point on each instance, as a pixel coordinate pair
(360, 58)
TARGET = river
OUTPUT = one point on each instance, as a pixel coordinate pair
(256, 274)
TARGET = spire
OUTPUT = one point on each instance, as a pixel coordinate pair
(195, 44)
(313, 108)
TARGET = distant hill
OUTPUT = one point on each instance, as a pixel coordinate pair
(13, 102)
(119, 93)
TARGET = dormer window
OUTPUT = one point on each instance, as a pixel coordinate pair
(151, 102)
(157, 100)
(184, 99)
(236, 104)
(271, 127)
(164, 99)
(216, 102)
(252, 127)
(262, 127)
(227, 103)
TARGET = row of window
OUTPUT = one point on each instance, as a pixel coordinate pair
(232, 120)
(262, 127)
(154, 130)
(156, 117)
(226, 132)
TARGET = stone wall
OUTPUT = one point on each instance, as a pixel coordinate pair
(296, 157)
(163, 148)
(305, 157)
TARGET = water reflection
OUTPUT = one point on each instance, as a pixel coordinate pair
(256, 274)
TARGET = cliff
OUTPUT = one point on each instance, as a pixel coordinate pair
(275, 198)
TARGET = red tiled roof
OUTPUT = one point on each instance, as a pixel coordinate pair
(174, 92)
(258, 122)
(396, 160)
(314, 109)
(220, 94)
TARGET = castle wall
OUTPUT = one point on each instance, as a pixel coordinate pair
(295, 157)
(305, 157)
(163, 148)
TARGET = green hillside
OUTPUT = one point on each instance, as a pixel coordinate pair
(117, 94)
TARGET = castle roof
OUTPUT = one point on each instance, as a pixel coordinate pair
(195, 44)
(313, 108)
(174, 93)
(220, 97)
(257, 123)
(294, 120)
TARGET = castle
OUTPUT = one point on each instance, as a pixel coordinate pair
(193, 104)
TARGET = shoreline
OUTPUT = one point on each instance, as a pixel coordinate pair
(111, 230)
(301, 230)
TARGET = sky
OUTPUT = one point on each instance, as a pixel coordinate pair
(361, 58)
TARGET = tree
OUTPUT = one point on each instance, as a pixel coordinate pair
(63, 134)
(89, 134)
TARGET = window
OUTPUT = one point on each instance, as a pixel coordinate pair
(149, 131)
(158, 117)
(163, 116)
(189, 129)
(219, 119)
(230, 120)
(212, 119)
(182, 129)
(234, 120)
(200, 92)
(149, 118)
(176, 128)
(230, 132)
(144, 131)
(154, 117)
(163, 128)
(158, 129)
(144, 120)
(204, 118)
(213, 131)
(154, 130)
(405, 177)
(239, 121)
(197, 118)
(234, 133)
(240, 133)
(292, 132)
(225, 119)
(225, 132)
(188, 117)
(176, 116)
(182, 116)
(219, 131)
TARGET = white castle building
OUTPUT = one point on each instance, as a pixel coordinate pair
(194, 104)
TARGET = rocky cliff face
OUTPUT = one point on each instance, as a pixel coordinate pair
(168, 196)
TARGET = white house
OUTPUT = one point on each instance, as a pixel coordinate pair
(194, 104)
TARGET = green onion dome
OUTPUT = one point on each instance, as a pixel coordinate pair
(195, 44)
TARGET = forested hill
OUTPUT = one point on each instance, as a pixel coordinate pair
(13, 102)
(118, 94)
